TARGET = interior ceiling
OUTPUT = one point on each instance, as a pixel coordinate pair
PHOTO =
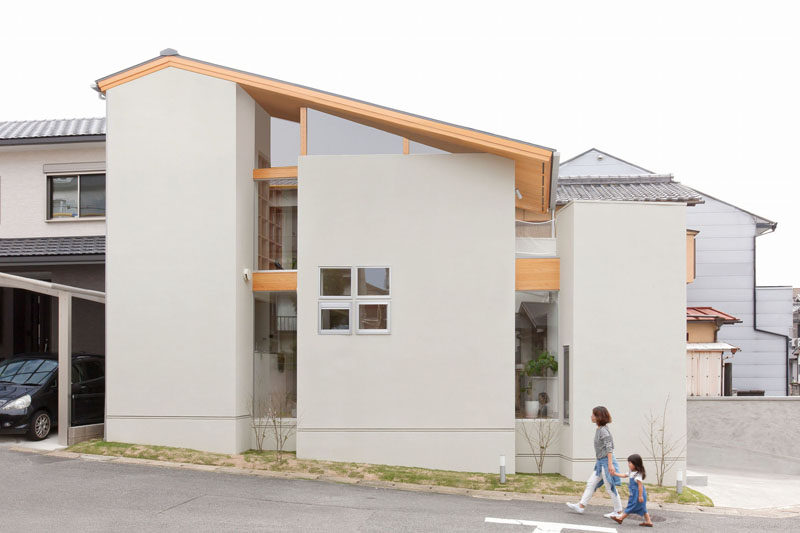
(283, 100)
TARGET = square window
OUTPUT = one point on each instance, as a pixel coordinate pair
(334, 319)
(373, 281)
(373, 317)
(334, 282)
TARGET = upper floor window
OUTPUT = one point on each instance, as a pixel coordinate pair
(76, 196)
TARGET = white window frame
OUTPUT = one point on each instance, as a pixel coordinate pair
(370, 301)
(353, 284)
(370, 296)
(338, 305)
(352, 303)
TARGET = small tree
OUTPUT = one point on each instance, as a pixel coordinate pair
(271, 417)
(539, 367)
(664, 449)
(540, 436)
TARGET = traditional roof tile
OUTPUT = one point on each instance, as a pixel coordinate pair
(39, 246)
(44, 129)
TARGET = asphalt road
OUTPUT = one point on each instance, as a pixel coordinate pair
(45, 493)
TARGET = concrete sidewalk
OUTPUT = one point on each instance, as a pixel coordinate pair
(20, 441)
(749, 490)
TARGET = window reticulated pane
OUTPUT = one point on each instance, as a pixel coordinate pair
(335, 319)
(373, 281)
(373, 316)
(63, 196)
(334, 281)
(93, 195)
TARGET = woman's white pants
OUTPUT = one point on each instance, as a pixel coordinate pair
(593, 484)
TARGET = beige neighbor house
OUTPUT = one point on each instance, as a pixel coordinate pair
(386, 278)
(52, 229)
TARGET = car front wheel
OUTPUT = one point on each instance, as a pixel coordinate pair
(40, 426)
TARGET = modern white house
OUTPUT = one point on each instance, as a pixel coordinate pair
(52, 229)
(385, 278)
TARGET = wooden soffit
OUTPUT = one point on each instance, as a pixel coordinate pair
(275, 280)
(538, 274)
(285, 100)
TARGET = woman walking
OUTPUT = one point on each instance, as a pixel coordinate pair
(605, 467)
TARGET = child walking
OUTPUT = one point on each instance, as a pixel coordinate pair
(637, 501)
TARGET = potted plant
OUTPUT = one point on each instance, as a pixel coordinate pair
(538, 367)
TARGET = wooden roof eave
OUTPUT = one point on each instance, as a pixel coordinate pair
(284, 100)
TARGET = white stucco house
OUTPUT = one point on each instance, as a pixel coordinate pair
(724, 250)
(386, 278)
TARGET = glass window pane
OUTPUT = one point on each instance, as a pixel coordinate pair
(48, 365)
(93, 195)
(63, 197)
(334, 281)
(373, 281)
(20, 378)
(373, 316)
(335, 319)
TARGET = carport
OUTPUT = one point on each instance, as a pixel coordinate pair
(64, 294)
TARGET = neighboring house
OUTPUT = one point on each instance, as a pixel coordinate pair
(52, 228)
(724, 249)
(709, 365)
(356, 268)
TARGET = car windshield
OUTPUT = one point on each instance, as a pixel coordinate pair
(27, 371)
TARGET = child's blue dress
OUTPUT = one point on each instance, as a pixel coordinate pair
(634, 507)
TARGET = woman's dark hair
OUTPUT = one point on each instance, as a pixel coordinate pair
(638, 465)
(601, 415)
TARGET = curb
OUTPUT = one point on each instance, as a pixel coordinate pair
(778, 512)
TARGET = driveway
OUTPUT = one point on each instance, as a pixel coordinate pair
(47, 493)
(749, 490)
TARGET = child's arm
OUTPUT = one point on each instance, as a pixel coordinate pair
(619, 474)
(641, 494)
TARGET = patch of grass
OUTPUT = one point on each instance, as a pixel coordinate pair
(288, 462)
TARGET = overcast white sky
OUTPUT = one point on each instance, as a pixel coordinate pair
(707, 91)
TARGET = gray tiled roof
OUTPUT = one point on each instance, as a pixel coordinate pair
(70, 127)
(643, 188)
(91, 245)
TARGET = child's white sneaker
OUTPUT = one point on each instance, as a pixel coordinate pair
(576, 507)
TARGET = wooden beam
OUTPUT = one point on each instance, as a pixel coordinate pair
(289, 102)
(274, 173)
(275, 280)
(538, 274)
(303, 131)
(406, 146)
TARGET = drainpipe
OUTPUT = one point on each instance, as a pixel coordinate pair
(755, 308)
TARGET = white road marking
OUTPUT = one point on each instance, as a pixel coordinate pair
(549, 527)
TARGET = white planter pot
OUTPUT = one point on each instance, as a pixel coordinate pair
(531, 408)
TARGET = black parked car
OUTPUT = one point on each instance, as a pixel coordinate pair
(29, 393)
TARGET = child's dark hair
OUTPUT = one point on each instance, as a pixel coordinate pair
(638, 464)
(601, 415)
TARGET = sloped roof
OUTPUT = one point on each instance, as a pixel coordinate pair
(44, 246)
(646, 188)
(587, 177)
(709, 314)
(533, 163)
(59, 130)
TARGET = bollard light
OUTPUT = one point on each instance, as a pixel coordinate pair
(679, 482)
(502, 469)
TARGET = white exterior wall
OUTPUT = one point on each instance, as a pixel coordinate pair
(622, 312)
(179, 315)
(439, 390)
(725, 280)
(23, 190)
